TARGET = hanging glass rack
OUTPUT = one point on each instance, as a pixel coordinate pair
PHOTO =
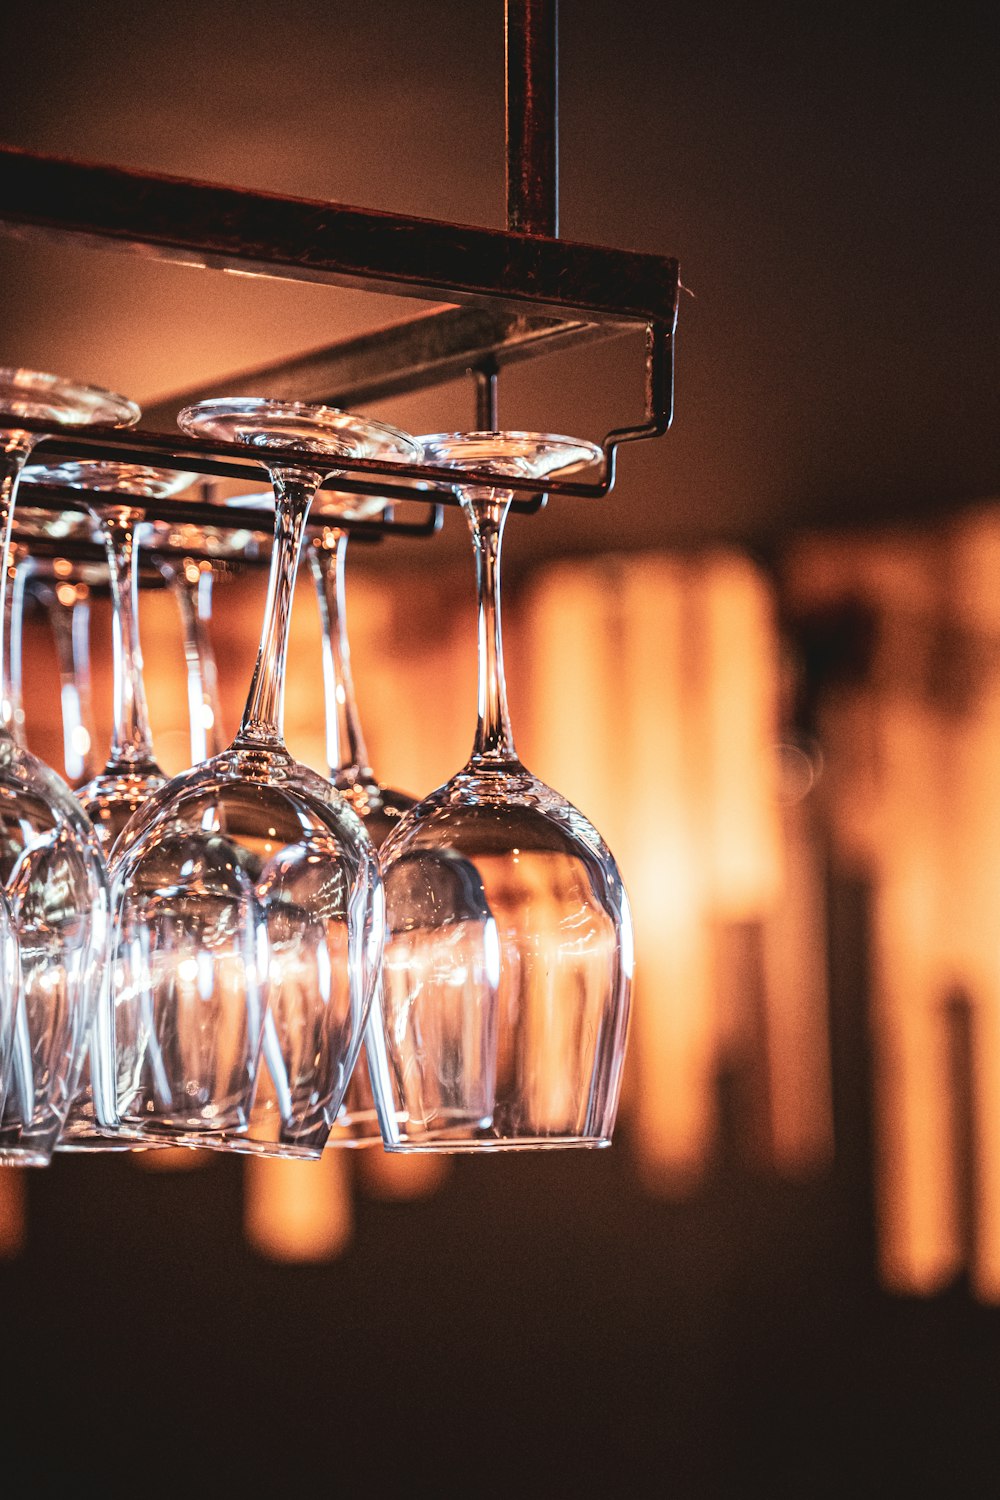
(512, 295)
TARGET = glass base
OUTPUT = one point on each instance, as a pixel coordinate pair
(64, 403)
(141, 481)
(511, 455)
(269, 426)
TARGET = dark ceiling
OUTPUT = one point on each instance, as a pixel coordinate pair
(828, 177)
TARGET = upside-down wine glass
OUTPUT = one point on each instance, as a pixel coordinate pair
(379, 806)
(356, 1122)
(248, 902)
(508, 956)
(131, 772)
(55, 883)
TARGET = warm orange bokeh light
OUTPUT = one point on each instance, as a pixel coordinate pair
(399, 1178)
(297, 1210)
(912, 751)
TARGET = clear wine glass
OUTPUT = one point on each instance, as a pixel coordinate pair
(379, 806)
(247, 895)
(508, 955)
(131, 771)
(51, 866)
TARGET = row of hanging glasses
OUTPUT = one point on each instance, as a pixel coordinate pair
(251, 956)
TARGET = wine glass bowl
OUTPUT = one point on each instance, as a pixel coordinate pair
(524, 988)
(55, 889)
(246, 879)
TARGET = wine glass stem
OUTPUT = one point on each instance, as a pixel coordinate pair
(194, 599)
(487, 513)
(346, 751)
(71, 634)
(14, 450)
(131, 741)
(18, 569)
(263, 717)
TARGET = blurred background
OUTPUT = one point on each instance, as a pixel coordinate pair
(767, 667)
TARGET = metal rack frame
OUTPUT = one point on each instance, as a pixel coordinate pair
(512, 295)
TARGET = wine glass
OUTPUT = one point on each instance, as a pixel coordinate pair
(380, 807)
(131, 771)
(508, 954)
(248, 902)
(350, 771)
(55, 882)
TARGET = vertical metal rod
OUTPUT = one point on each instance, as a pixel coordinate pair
(486, 396)
(532, 70)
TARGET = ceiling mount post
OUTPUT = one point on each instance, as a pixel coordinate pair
(531, 56)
